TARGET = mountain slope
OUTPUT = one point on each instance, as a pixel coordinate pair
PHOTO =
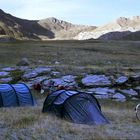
(109, 31)
(12, 28)
(50, 28)
(63, 29)
(21, 29)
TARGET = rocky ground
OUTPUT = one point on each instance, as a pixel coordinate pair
(109, 70)
(116, 86)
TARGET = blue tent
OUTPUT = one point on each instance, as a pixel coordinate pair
(75, 106)
(15, 95)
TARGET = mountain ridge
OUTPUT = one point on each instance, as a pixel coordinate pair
(122, 25)
(52, 28)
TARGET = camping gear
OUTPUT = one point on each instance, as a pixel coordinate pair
(15, 95)
(137, 111)
(75, 106)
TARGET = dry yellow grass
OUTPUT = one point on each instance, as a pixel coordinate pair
(29, 123)
(75, 57)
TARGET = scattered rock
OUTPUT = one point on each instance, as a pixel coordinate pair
(105, 96)
(134, 99)
(122, 80)
(42, 70)
(8, 69)
(36, 72)
(127, 87)
(39, 79)
(23, 62)
(69, 79)
(137, 88)
(23, 68)
(96, 80)
(129, 92)
(36, 80)
(57, 63)
(46, 84)
(4, 74)
(102, 91)
(55, 73)
(40, 62)
(119, 97)
(6, 80)
(135, 77)
(67, 82)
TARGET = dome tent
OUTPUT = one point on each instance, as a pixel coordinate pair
(15, 95)
(75, 106)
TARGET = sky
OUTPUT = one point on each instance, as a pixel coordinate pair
(86, 12)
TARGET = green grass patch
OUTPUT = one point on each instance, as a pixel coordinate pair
(16, 76)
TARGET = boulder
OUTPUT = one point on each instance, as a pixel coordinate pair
(119, 97)
(135, 77)
(36, 72)
(134, 99)
(105, 96)
(24, 68)
(23, 62)
(129, 92)
(57, 63)
(121, 80)
(67, 82)
(8, 69)
(4, 74)
(69, 79)
(96, 80)
(6, 80)
(36, 80)
(55, 73)
(102, 91)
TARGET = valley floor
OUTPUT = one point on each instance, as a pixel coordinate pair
(72, 57)
(92, 54)
(29, 123)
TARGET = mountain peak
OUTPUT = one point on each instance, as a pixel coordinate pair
(123, 20)
(49, 28)
(51, 19)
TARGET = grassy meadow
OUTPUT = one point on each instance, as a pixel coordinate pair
(74, 57)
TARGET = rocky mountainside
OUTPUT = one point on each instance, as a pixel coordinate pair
(12, 28)
(21, 29)
(117, 29)
(50, 28)
(63, 29)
